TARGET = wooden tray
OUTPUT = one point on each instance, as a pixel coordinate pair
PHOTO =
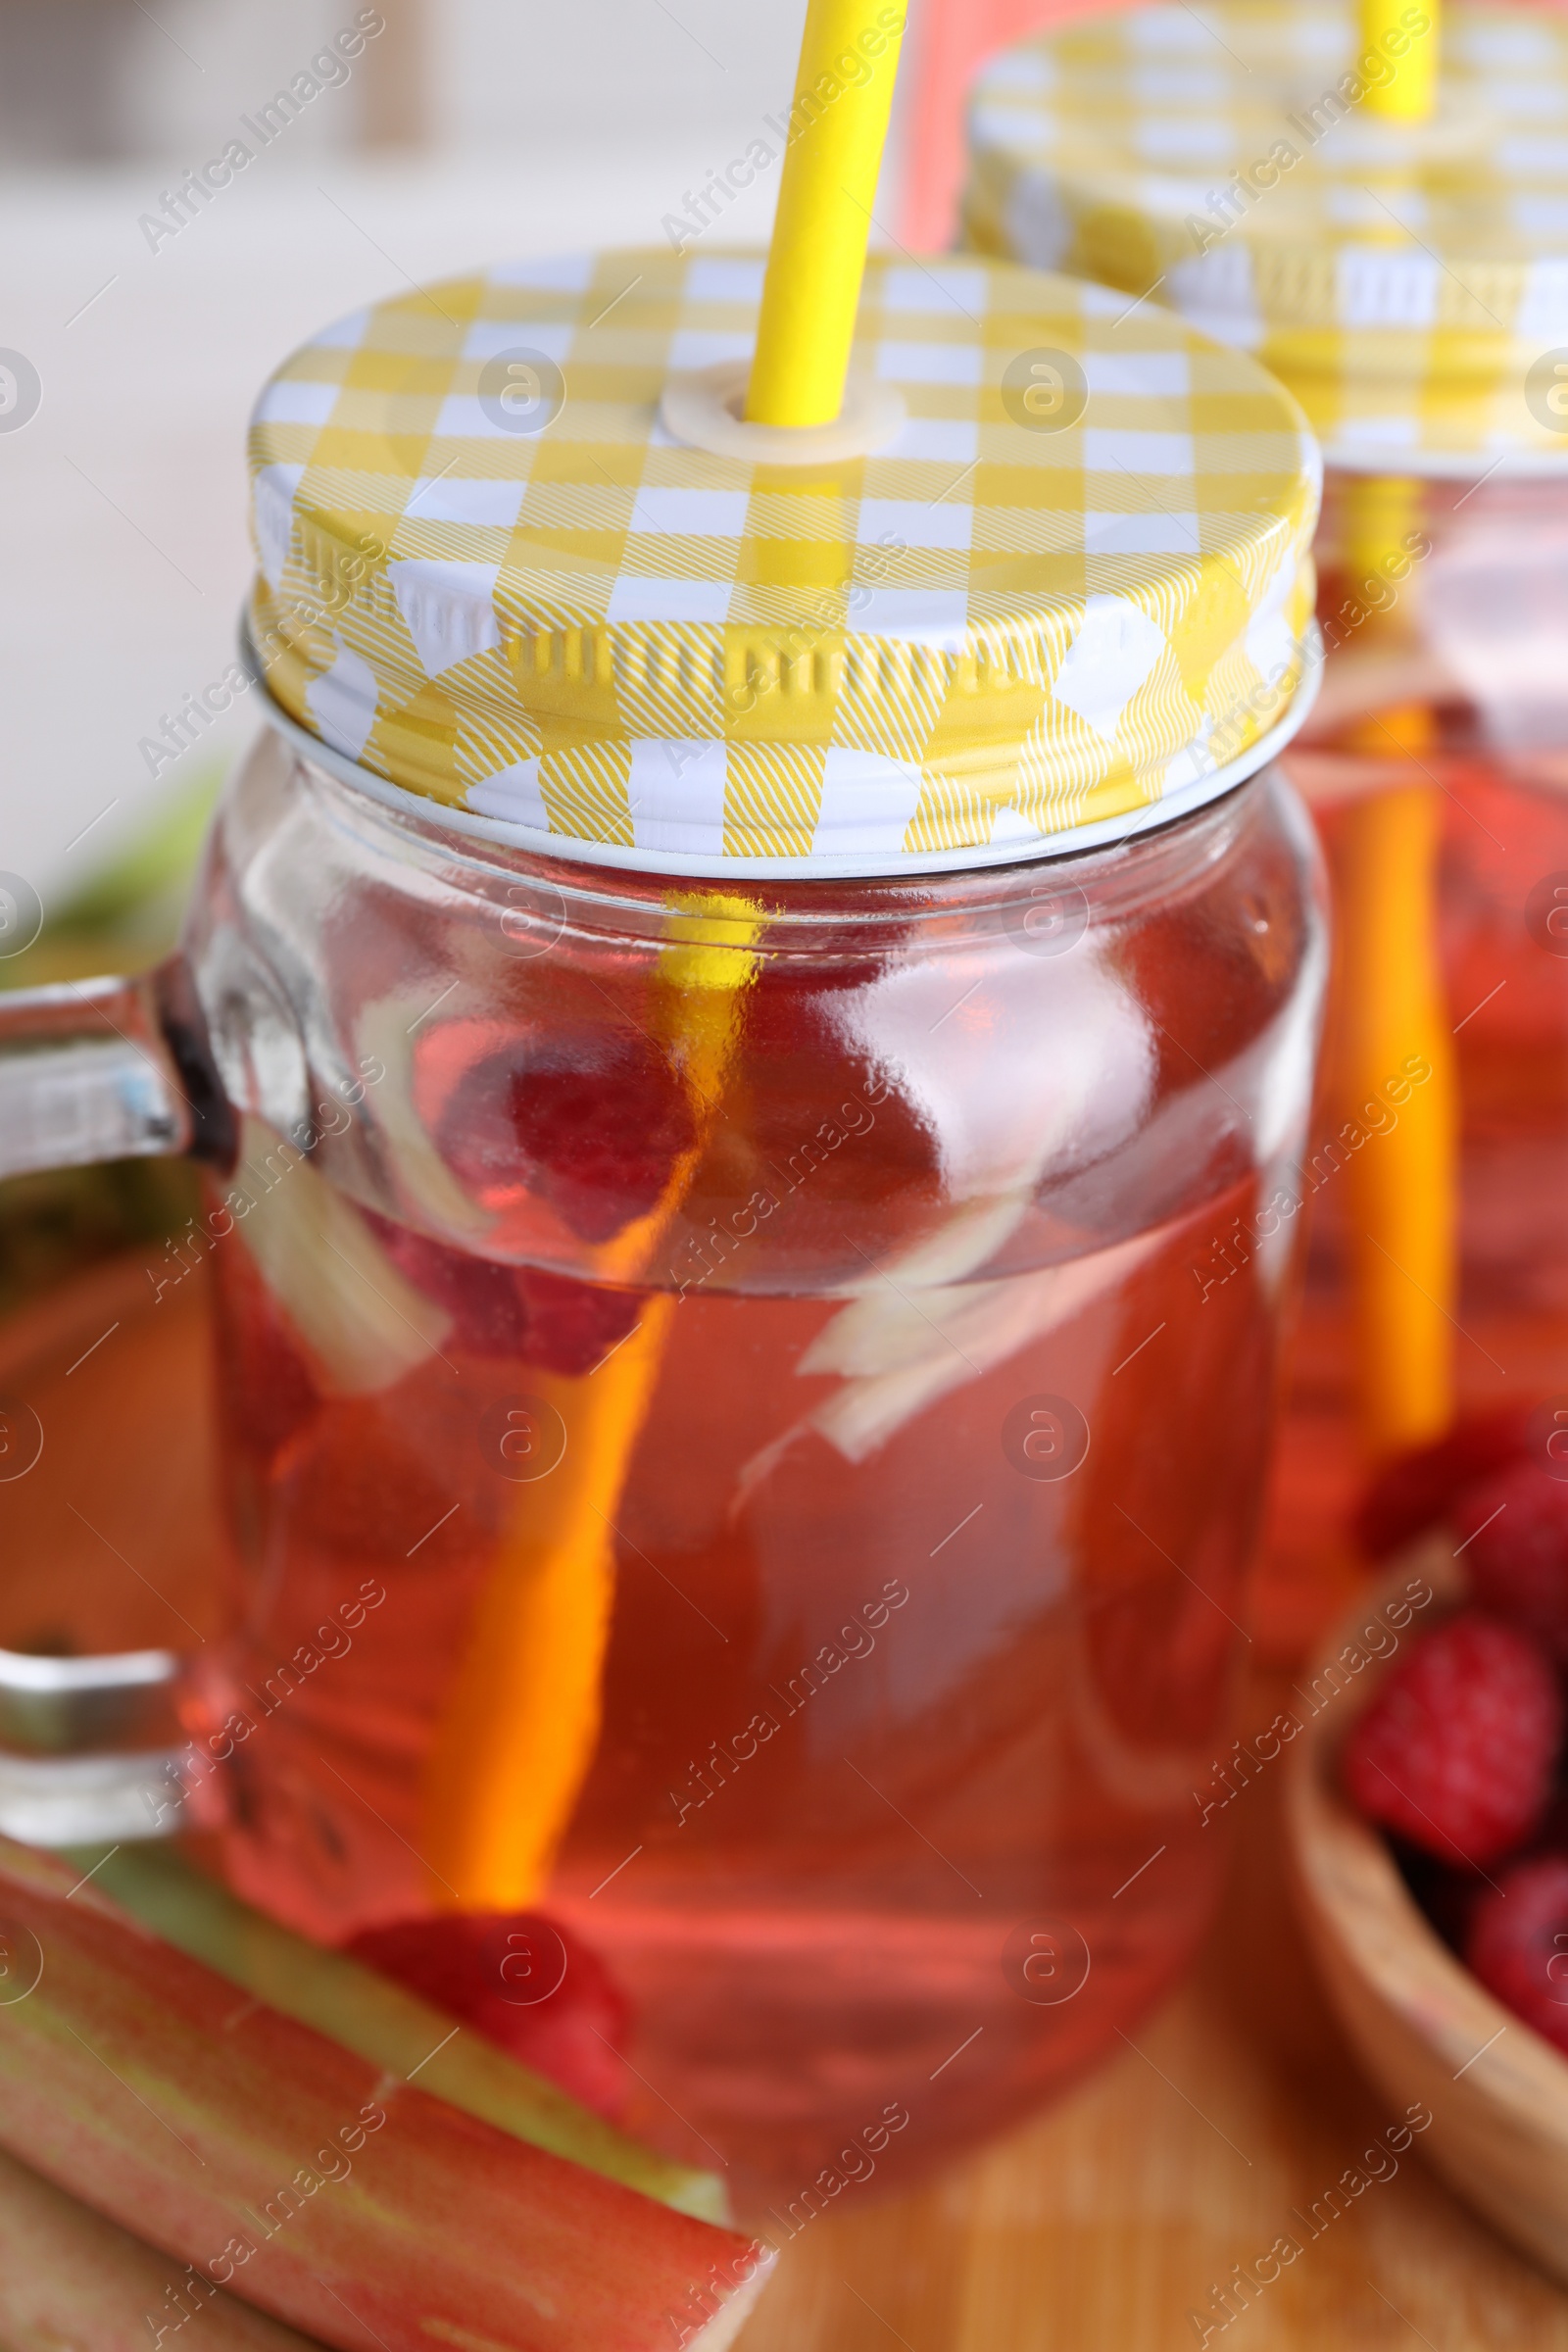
(1101, 2227)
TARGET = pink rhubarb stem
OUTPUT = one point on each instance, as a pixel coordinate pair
(277, 2164)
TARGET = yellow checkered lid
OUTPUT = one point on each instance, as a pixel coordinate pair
(1070, 596)
(1408, 282)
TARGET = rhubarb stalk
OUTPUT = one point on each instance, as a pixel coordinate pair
(69, 2277)
(371, 2015)
(308, 2180)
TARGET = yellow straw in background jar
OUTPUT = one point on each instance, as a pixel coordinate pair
(523, 1717)
(1402, 1199)
(1402, 1202)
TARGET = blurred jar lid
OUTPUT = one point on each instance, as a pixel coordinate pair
(1069, 596)
(1409, 282)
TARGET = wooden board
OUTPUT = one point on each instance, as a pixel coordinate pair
(1101, 2227)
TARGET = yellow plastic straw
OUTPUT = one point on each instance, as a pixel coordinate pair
(523, 1715)
(1389, 27)
(1402, 1183)
(838, 128)
(521, 1718)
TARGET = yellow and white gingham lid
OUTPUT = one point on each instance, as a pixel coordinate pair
(1402, 279)
(994, 637)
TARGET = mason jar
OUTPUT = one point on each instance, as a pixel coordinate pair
(740, 1426)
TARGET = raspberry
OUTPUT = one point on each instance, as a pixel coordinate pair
(595, 1127)
(1458, 1749)
(1421, 1487)
(603, 1140)
(1513, 1531)
(519, 1314)
(1518, 1943)
(521, 1980)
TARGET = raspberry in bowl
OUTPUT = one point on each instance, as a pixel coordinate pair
(1428, 1819)
(1458, 1753)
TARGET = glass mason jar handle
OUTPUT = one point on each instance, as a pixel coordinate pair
(91, 1070)
(107, 1069)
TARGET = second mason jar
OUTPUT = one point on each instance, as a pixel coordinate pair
(1376, 203)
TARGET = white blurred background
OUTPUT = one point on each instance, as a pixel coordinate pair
(468, 130)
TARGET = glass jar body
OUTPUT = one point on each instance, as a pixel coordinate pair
(757, 1373)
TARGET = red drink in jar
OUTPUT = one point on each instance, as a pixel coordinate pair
(927, 1577)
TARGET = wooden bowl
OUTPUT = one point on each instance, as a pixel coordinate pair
(1426, 2031)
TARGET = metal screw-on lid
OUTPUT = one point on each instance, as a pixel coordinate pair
(1408, 281)
(1071, 594)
